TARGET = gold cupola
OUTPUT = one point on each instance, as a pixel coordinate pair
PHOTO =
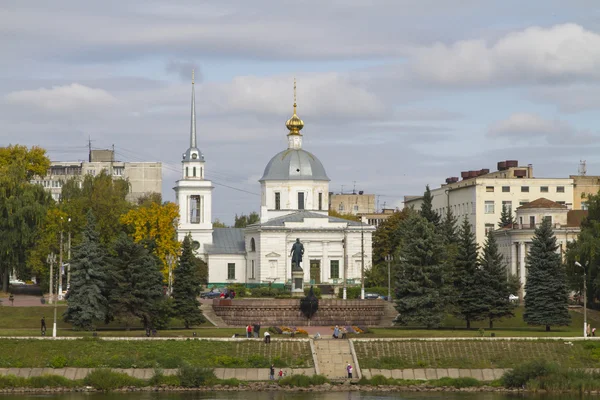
(294, 124)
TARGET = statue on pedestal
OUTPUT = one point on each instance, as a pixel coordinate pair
(296, 253)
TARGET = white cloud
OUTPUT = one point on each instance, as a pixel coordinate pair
(62, 98)
(561, 53)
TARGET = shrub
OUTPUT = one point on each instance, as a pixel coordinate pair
(316, 291)
(458, 383)
(519, 376)
(303, 380)
(230, 382)
(378, 380)
(50, 381)
(106, 379)
(11, 381)
(193, 376)
(58, 362)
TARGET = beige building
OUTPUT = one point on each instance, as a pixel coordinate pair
(354, 203)
(480, 195)
(514, 241)
(583, 186)
(144, 177)
(375, 219)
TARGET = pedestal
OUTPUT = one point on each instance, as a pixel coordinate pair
(297, 283)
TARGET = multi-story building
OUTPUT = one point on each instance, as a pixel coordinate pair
(377, 218)
(143, 177)
(354, 203)
(583, 186)
(481, 195)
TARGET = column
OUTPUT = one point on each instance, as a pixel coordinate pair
(513, 258)
(522, 265)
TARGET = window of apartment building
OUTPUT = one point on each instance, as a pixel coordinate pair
(523, 202)
(489, 207)
(489, 228)
(507, 205)
(356, 208)
(118, 171)
(584, 205)
(195, 204)
(505, 189)
(489, 189)
(341, 207)
(334, 269)
(560, 189)
(277, 201)
(320, 201)
(92, 172)
(525, 189)
(230, 270)
(300, 200)
(544, 189)
(252, 276)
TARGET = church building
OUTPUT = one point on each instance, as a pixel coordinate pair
(294, 205)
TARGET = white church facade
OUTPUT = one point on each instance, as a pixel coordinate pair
(294, 205)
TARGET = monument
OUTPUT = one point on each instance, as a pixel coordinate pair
(297, 252)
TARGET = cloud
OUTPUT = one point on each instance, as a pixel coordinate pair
(566, 52)
(569, 98)
(183, 69)
(531, 126)
(62, 98)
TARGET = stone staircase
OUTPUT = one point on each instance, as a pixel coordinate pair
(389, 314)
(332, 357)
(209, 314)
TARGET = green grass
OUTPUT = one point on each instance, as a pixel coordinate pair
(474, 354)
(90, 353)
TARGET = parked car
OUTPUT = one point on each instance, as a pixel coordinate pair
(513, 298)
(16, 282)
(371, 296)
(213, 294)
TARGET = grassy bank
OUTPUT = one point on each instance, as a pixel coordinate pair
(475, 354)
(94, 353)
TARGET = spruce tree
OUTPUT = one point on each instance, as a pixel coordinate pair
(448, 227)
(506, 217)
(467, 277)
(546, 286)
(427, 211)
(186, 287)
(136, 283)
(422, 284)
(495, 285)
(86, 300)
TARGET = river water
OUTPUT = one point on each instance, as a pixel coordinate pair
(290, 396)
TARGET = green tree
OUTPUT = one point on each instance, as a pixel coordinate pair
(218, 224)
(186, 286)
(495, 285)
(87, 302)
(422, 282)
(506, 217)
(467, 277)
(385, 242)
(448, 230)
(244, 220)
(546, 298)
(136, 288)
(427, 208)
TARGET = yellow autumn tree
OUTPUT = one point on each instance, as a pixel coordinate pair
(155, 224)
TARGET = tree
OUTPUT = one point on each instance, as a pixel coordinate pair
(427, 211)
(244, 220)
(186, 287)
(546, 298)
(218, 224)
(448, 231)
(422, 282)
(506, 217)
(495, 285)
(155, 225)
(467, 277)
(385, 242)
(136, 288)
(87, 302)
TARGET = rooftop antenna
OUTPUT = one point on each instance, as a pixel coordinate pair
(582, 168)
(89, 148)
(353, 187)
(342, 189)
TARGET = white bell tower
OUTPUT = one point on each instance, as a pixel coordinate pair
(194, 193)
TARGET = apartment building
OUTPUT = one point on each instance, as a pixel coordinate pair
(376, 218)
(144, 177)
(353, 203)
(480, 195)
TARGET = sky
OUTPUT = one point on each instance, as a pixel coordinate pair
(394, 94)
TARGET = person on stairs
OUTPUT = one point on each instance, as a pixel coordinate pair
(349, 370)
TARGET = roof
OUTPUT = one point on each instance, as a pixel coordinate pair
(294, 164)
(227, 241)
(542, 202)
(301, 215)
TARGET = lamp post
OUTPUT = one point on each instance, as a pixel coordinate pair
(389, 259)
(362, 261)
(170, 262)
(69, 258)
(584, 299)
(60, 265)
(50, 260)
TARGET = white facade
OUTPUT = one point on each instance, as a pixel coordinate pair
(279, 198)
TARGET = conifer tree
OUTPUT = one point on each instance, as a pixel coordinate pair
(467, 277)
(506, 217)
(186, 287)
(86, 300)
(495, 285)
(422, 282)
(546, 286)
(448, 227)
(427, 211)
(136, 282)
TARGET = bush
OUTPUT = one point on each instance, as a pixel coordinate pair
(50, 381)
(353, 292)
(106, 379)
(303, 380)
(316, 291)
(519, 376)
(58, 362)
(193, 376)
(11, 381)
(230, 382)
(455, 382)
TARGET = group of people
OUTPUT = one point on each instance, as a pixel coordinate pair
(253, 329)
(227, 294)
(589, 331)
(339, 333)
(280, 374)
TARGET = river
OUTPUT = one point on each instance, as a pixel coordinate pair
(289, 396)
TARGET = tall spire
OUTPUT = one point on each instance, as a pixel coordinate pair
(193, 122)
(294, 124)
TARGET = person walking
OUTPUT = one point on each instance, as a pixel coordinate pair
(336, 332)
(249, 331)
(256, 329)
(11, 298)
(349, 370)
(272, 372)
(589, 330)
(267, 337)
(280, 373)
(43, 326)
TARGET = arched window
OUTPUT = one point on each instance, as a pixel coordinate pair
(201, 176)
(252, 245)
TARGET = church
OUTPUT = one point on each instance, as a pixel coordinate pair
(294, 205)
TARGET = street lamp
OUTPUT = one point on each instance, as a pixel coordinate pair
(170, 262)
(389, 259)
(584, 299)
(50, 260)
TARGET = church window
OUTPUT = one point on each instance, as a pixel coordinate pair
(252, 245)
(300, 200)
(252, 269)
(194, 172)
(195, 209)
(277, 201)
(334, 270)
(320, 201)
(187, 171)
(230, 270)
(201, 172)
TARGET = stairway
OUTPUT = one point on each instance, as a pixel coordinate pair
(209, 314)
(332, 356)
(389, 314)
